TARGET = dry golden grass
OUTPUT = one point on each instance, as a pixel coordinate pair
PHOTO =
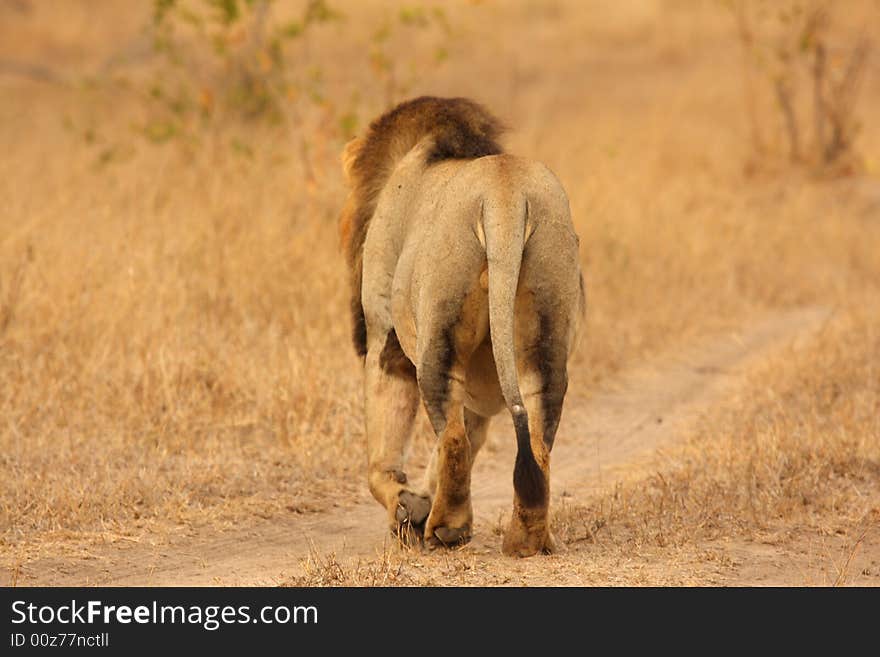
(174, 345)
(798, 454)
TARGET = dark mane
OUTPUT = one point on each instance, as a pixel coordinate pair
(460, 128)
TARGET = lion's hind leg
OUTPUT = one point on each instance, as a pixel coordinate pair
(477, 428)
(451, 518)
(547, 314)
(392, 398)
(441, 381)
(529, 529)
(452, 325)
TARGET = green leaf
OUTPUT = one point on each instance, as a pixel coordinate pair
(413, 16)
(291, 30)
(192, 18)
(440, 17)
(227, 10)
(161, 9)
(160, 131)
(348, 124)
(319, 11)
(241, 148)
(382, 34)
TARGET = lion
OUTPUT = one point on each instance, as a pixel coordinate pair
(466, 294)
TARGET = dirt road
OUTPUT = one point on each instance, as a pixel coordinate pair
(611, 435)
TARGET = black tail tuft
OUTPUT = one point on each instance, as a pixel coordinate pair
(528, 480)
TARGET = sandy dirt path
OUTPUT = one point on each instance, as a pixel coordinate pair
(614, 433)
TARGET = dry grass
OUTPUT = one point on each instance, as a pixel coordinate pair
(798, 453)
(174, 345)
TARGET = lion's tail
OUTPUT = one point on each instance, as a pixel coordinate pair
(504, 226)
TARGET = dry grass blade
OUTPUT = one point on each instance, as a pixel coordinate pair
(849, 555)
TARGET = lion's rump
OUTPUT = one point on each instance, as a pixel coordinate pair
(459, 129)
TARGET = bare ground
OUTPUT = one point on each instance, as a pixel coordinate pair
(618, 434)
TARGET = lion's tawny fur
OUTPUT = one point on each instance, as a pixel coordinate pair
(460, 129)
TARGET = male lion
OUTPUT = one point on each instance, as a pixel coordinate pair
(466, 291)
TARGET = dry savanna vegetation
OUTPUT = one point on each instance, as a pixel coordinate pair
(175, 356)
